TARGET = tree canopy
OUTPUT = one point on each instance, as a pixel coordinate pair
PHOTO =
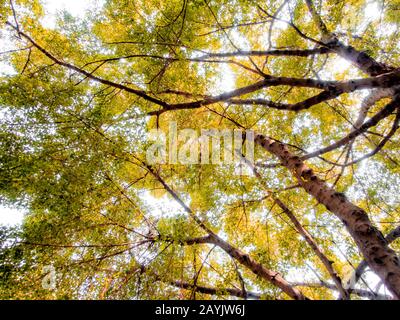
(316, 216)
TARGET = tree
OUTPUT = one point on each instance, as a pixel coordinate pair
(317, 83)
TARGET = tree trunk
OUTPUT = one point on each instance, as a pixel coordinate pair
(370, 241)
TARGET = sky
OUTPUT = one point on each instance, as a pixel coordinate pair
(76, 8)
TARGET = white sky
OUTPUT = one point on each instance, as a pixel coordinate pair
(10, 217)
(76, 8)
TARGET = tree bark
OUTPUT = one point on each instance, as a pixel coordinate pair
(370, 241)
(392, 236)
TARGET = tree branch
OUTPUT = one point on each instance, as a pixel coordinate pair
(382, 114)
(370, 241)
(359, 292)
(358, 272)
(259, 270)
(315, 247)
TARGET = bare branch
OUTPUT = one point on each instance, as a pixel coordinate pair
(315, 247)
(382, 114)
